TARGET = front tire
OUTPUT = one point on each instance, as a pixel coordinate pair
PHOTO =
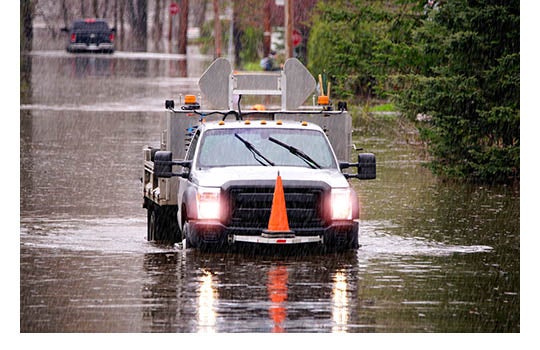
(186, 235)
(341, 241)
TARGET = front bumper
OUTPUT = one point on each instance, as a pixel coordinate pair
(336, 234)
(275, 240)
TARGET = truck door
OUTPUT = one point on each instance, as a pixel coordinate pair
(184, 182)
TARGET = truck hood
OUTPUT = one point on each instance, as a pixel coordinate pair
(216, 177)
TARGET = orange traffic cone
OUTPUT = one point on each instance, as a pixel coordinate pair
(278, 223)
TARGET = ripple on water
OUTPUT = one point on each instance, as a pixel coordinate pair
(107, 235)
(375, 241)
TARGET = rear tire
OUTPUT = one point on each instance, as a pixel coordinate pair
(151, 223)
(161, 224)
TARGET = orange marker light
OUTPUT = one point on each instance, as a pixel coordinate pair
(190, 99)
(323, 100)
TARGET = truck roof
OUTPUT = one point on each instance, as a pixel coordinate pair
(261, 123)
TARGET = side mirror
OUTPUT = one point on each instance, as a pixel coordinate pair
(163, 165)
(64, 29)
(113, 29)
(367, 166)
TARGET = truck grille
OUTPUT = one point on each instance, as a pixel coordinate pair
(250, 207)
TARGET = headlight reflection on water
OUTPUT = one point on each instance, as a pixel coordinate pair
(340, 313)
(207, 302)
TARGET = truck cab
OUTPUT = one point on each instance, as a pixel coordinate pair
(223, 177)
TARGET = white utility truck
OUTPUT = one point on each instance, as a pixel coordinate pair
(229, 176)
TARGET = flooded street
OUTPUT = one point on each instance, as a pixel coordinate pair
(434, 257)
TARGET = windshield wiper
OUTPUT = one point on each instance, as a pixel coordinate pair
(255, 152)
(313, 164)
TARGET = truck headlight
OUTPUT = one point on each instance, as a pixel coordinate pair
(208, 203)
(341, 204)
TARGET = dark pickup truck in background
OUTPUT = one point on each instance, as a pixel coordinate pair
(90, 35)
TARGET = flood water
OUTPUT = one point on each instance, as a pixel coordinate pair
(434, 257)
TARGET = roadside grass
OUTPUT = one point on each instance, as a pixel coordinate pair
(371, 120)
(252, 66)
(385, 107)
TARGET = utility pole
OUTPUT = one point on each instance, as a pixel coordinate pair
(217, 30)
(289, 25)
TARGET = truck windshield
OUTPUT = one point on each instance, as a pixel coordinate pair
(225, 147)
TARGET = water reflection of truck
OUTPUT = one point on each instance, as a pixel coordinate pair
(242, 293)
(229, 176)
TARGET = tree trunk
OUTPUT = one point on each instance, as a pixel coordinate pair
(95, 7)
(83, 9)
(122, 30)
(199, 12)
(289, 26)
(115, 14)
(105, 9)
(267, 39)
(217, 30)
(27, 36)
(138, 20)
(158, 23)
(65, 15)
(237, 36)
(27, 30)
(183, 27)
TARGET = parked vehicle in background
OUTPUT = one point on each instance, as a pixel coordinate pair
(90, 35)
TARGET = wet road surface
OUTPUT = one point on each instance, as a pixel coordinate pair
(434, 257)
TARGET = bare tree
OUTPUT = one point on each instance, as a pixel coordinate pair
(267, 35)
(65, 13)
(27, 32)
(158, 23)
(138, 19)
(115, 13)
(217, 30)
(83, 9)
(105, 9)
(199, 12)
(95, 8)
(27, 11)
(182, 30)
(122, 30)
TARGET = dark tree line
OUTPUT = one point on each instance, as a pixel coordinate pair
(455, 63)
